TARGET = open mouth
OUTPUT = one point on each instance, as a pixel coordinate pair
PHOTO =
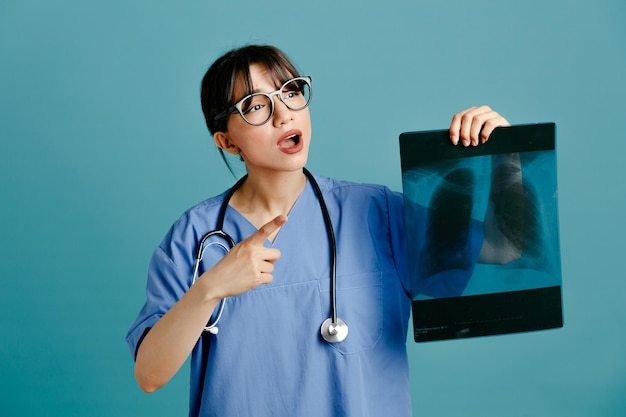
(294, 138)
(291, 143)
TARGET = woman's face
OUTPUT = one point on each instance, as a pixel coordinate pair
(281, 144)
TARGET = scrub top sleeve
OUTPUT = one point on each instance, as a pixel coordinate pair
(395, 202)
(164, 288)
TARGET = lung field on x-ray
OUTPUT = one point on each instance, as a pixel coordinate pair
(448, 223)
(515, 209)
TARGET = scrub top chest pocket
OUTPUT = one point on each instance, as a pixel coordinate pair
(360, 305)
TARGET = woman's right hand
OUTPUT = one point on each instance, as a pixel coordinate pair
(247, 265)
(474, 125)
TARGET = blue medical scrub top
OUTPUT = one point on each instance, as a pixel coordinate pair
(268, 358)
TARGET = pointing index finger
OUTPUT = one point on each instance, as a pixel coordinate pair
(267, 229)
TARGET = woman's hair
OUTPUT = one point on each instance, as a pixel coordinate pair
(218, 85)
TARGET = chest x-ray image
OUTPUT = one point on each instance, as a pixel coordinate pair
(482, 230)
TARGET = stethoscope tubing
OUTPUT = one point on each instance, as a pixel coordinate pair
(332, 244)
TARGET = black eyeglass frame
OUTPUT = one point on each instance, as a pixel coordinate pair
(238, 105)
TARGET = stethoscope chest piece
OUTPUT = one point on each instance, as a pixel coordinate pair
(334, 332)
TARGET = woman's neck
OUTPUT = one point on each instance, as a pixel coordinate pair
(263, 197)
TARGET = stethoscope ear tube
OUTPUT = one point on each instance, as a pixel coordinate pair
(212, 327)
(230, 243)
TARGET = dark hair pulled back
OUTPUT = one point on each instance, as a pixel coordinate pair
(218, 84)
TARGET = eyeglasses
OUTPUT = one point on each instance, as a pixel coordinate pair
(257, 108)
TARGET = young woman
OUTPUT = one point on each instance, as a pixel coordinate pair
(312, 256)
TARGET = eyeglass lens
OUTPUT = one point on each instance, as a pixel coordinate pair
(257, 108)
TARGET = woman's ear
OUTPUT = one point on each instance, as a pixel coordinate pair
(223, 142)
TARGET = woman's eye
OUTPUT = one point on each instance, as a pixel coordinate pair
(291, 94)
(254, 107)
(254, 104)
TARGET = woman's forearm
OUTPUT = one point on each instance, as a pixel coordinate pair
(168, 344)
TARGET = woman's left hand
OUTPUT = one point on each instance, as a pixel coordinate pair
(474, 125)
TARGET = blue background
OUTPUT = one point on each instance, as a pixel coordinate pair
(102, 146)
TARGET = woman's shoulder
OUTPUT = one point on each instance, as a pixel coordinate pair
(203, 211)
(354, 190)
(195, 220)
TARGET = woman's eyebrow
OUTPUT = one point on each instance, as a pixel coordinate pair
(257, 90)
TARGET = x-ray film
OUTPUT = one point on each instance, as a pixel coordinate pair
(482, 233)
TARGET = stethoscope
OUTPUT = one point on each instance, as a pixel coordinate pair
(333, 329)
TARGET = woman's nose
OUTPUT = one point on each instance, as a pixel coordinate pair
(282, 113)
